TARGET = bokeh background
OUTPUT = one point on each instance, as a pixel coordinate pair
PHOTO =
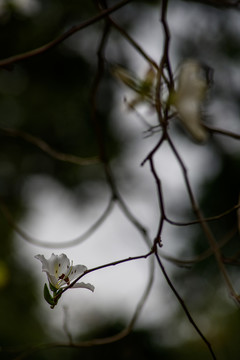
(50, 97)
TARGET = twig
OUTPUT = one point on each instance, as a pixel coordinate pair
(56, 245)
(165, 62)
(184, 307)
(100, 138)
(48, 149)
(42, 49)
(113, 263)
(203, 256)
(208, 219)
(161, 202)
(222, 132)
(204, 225)
(134, 44)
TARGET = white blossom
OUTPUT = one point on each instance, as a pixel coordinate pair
(189, 97)
(61, 273)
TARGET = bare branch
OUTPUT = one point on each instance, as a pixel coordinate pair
(48, 149)
(209, 219)
(42, 49)
(214, 130)
(203, 256)
(57, 245)
(184, 307)
(134, 44)
(204, 225)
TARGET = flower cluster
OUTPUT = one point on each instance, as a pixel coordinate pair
(61, 274)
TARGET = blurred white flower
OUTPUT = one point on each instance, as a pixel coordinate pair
(144, 87)
(61, 273)
(189, 97)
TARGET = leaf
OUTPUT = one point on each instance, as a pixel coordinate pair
(52, 288)
(48, 297)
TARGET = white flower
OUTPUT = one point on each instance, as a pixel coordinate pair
(61, 273)
(189, 98)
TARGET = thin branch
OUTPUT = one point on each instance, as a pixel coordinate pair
(113, 263)
(208, 219)
(221, 3)
(203, 256)
(154, 150)
(100, 138)
(184, 307)
(160, 200)
(204, 225)
(132, 42)
(57, 245)
(214, 130)
(42, 49)
(165, 62)
(48, 149)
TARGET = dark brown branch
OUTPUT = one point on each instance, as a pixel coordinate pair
(161, 203)
(209, 219)
(201, 257)
(100, 138)
(207, 231)
(154, 150)
(165, 62)
(113, 263)
(57, 245)
(42, 49)
(132, 42)
(184, 307)
(220, 3)
(214, 130)
(48, 149)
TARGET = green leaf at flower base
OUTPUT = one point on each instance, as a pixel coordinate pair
(48, 297)
(54, 290)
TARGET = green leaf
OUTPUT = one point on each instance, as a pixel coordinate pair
(48, 297)
(52, 288)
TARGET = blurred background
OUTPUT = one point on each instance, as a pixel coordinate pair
(50, 97)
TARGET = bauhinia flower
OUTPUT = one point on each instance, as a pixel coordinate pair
(189, 97)
(61, 273)
(144, 87)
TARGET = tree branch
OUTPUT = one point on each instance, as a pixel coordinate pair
(50, 45)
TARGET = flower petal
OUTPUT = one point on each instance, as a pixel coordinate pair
(56, 265)
(60, 273)
(76, 271)
(83, 285)
(45, 263)
(54, 281)
(61, 265)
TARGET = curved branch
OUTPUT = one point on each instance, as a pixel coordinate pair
(203, 256)
(48, 149)
(211, 218)
(57, 245)
(50, 45)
